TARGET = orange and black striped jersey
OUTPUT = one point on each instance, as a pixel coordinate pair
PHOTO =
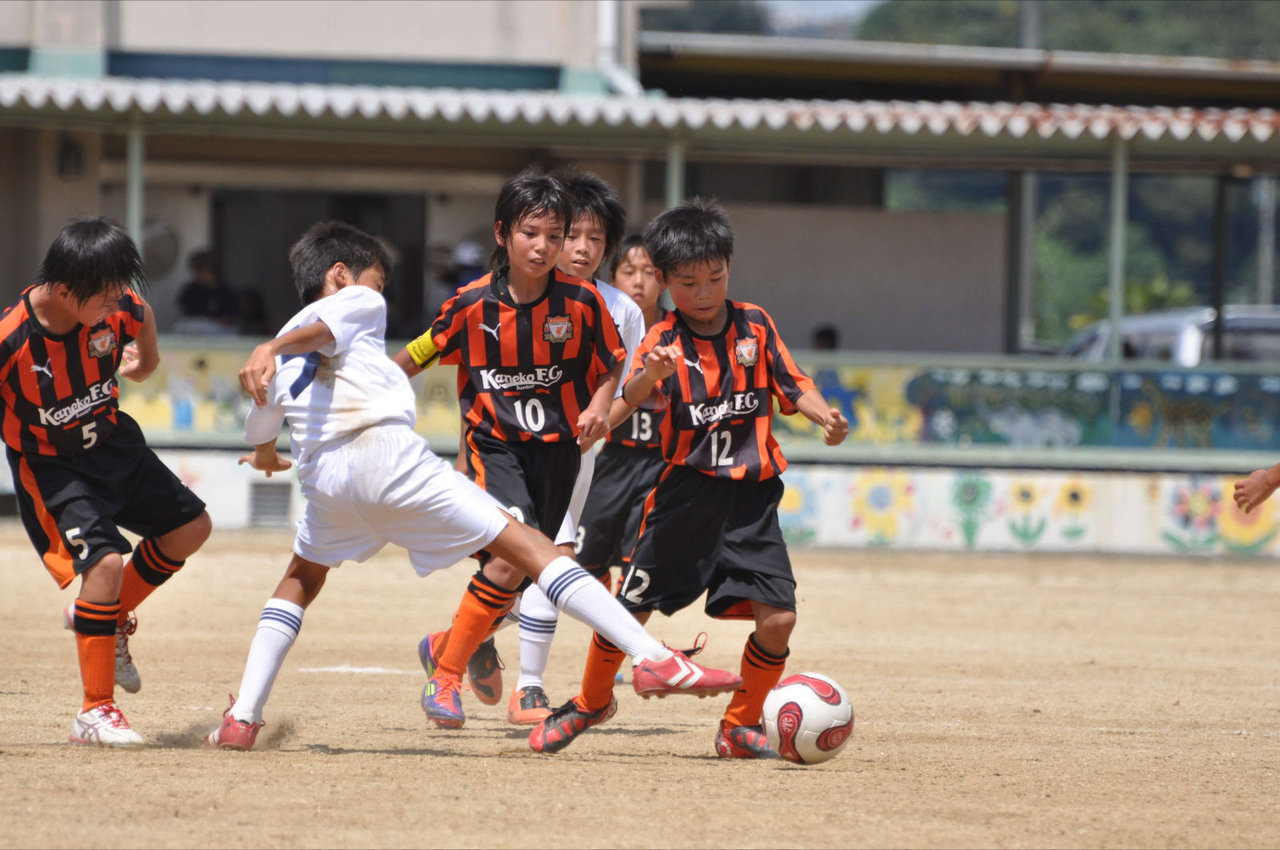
(59, 393)
(525, 371)
(643, 428)
(720, 414)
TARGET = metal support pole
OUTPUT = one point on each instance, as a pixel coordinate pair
(1015, 221)
(1119, 216)
(1219, 282)
(675, 171)
(1267, 239)
(133, 183)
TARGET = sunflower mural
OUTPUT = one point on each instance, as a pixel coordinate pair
(1193, 511)
(880, 499)
(1246, 533)
(798, 511)
(1027, 520)
(971, 496)
(1074, 498)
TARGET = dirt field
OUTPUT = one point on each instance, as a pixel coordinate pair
(1001, 702)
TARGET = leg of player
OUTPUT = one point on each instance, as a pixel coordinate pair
(278, 627)
(741, 734)
(577, 594)
(100, 722)
(154, 561)
(529, 705)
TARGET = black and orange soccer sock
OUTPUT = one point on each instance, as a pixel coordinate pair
(147, 569)
(481, 605)
(95, 627)
(760, 672)
(603, 661)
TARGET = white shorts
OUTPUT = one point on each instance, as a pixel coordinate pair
(385, 485)
(568, 532)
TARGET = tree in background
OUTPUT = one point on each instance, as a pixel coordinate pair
(1226, 29)
(746, 17)
(1169, 241)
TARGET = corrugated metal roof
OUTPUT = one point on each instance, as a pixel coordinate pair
(114, 100)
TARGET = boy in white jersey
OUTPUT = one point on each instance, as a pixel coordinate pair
(368, 478)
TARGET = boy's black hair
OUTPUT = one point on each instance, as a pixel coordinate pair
(635, 240)
(592, 196)
(329, 242)
(694, 231)
(528, 193)
(91, 256)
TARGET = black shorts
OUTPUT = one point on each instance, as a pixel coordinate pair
(73, 505)
(610, 523)
(533, 480)
(713, 534)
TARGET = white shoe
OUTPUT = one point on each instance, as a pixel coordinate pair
(126, 673)
(104, 726)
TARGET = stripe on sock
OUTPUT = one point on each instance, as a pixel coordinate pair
(537, 626)
(563, 583)
(95, 618)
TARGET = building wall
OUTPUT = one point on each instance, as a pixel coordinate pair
(560, 33)
(47, 177)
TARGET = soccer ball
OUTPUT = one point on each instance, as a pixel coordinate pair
(808, 718)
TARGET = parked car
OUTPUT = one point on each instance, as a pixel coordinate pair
(1249, 333)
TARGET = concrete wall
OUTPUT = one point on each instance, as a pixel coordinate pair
(535, 32)
(47, 177)
(888, 281)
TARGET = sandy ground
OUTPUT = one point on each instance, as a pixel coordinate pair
(1001, 702)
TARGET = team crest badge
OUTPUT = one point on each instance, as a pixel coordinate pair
(102, 343)
(558, 329)
(747, 351)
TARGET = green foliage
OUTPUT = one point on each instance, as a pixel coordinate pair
(716, 16)
(1228, 29)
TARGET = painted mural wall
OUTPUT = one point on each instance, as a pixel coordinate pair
(1022, 510)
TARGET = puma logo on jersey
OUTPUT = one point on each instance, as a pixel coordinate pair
(46, 369)
(489, 330)
(695, 364)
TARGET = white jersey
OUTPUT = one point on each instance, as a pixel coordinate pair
(344, 387)
(629, 318)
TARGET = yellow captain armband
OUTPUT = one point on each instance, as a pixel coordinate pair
(423, 350)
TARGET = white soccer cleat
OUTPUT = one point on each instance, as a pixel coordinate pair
(104, 726)
(127, 675)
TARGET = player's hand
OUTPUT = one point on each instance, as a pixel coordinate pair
(591, 427)
(257, 372)
(1252, 491)
(835, 429)
(130, 364)
(661, 362)
(268, 464)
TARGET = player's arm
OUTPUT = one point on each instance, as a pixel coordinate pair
(593, 423)
(418, 355)
(264, 458)
(260, 368)
(815, 408)
(1257, 488)
(659, 364)
(140, 358)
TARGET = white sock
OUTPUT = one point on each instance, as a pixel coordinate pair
(538, 618)
(278, 625)
(513, 616)
(582, 597)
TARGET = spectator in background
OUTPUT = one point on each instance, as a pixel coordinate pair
(826, 338)
(206, 304)
(467, 263)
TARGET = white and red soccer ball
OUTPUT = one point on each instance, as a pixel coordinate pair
(808, 718)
